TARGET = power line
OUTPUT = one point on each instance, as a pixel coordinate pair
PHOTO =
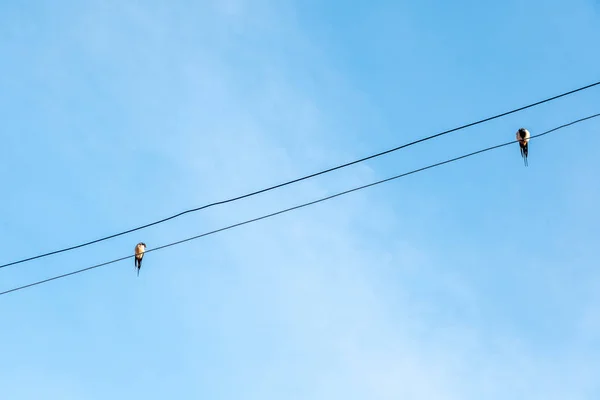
(302, 178)
(301, 205)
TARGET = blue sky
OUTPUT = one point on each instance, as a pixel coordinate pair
(475, 280)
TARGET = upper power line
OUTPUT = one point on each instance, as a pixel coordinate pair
(302, 178)
(299, 206)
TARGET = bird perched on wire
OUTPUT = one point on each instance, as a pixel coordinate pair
(523, 138)
(140, 248)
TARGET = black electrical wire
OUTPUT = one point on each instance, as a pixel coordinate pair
(302, 178)
(301, 205)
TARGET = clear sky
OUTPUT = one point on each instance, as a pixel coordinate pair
(477, 280)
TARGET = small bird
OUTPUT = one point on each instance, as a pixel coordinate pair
(523, 138)
(140, 248)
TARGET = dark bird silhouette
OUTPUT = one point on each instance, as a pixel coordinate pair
(523, 138)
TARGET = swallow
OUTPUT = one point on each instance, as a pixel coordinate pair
(140, 248)
(523, 139)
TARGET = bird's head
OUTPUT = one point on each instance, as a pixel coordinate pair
(522, 132)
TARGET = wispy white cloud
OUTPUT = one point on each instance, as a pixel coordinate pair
(342, 300)
(339, 328)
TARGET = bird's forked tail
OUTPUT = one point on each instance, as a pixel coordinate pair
(138, 265)
(525, 153)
